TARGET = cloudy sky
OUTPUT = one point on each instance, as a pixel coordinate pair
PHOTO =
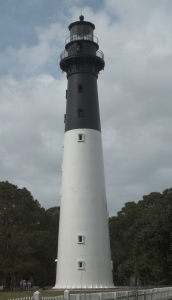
(135, 94)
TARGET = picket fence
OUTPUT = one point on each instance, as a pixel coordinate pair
(151, 294)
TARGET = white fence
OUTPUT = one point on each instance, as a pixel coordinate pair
(151, 294)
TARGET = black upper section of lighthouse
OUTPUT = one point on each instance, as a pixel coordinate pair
(82, 60)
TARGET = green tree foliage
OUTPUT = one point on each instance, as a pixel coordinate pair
(28, 236)
(141, 240)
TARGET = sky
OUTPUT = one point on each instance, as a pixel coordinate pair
(135, 92)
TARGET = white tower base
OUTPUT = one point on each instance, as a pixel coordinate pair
(83, 248)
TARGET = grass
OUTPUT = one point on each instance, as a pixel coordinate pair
(5, 295)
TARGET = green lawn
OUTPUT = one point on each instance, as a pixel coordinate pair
(5, 295)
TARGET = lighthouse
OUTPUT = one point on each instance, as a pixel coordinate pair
(84, 259)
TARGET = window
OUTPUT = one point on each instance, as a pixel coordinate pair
(80, 88)
(80, 112)
(81, 239)
(66, 94)
(80, 137)
(81, 265)
(64, 118)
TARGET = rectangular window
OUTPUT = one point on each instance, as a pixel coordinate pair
(80, 239)
(80, 88)
(64, 118)
(66, 94)
(80, 265)
(80, 112)
(80, 137)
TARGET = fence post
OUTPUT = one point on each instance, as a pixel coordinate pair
(66, 295)
(37, 296)
(144, 295)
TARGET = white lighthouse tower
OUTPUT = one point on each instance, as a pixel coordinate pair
(84, 259)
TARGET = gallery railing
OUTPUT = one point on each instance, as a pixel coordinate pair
(84, 52)
(79, 37)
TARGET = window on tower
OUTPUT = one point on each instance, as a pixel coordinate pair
(80, 265)
(81, 137)
(80, 112)
(81, 239)
(80, 88)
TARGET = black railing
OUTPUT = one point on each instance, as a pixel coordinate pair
(78, 37)
(65, 54)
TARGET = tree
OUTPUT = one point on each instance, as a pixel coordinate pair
(121, 246)
(28, 236)
(154, 237)
(141, 239)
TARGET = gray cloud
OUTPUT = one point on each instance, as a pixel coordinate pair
(134, 92)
